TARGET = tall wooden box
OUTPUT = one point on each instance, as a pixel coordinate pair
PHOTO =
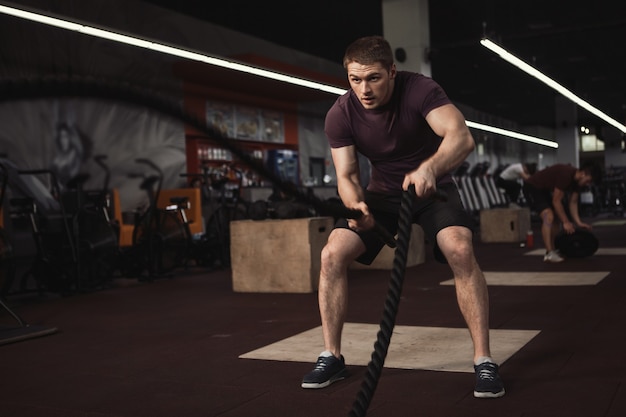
(278, 255)
(416, 253)
(504, 224)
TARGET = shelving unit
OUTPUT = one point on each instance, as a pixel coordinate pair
(204, 152)
(261, 115)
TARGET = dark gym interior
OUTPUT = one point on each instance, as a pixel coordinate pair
(173, 271)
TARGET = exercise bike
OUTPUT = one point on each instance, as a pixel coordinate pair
(55, 266)
(226, 206)
(159, 239)
(93, 230)
(23, 330)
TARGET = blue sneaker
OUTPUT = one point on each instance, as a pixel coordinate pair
(488, 382)
(328, 369)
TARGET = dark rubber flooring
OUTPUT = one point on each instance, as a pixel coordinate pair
(169, 348)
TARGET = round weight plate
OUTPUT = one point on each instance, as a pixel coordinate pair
(580, 244)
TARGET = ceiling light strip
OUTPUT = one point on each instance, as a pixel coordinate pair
(514, 135)
(512, 59)
(141, 43)
(130, 40)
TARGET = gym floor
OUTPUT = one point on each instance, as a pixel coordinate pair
(185, 346)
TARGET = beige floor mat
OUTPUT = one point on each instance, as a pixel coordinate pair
(609, 222)
(412, 347)
(541, 278)
(600, 251)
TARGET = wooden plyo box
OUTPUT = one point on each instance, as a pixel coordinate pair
(416, 253)
(278, 255)
(504, 224)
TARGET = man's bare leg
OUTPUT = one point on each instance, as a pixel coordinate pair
(473, 299)
(342, 248)
(471, 287)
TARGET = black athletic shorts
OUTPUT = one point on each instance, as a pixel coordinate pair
(433, 215)
(537, 199)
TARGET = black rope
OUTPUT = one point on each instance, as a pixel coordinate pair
(73, 86)
(76, 86)
(90, 87)
(381, 346)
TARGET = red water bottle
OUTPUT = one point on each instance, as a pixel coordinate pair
(530, 239)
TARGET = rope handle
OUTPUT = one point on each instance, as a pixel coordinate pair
(382, 233)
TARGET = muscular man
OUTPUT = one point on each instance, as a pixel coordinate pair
(545, 191)
(412, 134)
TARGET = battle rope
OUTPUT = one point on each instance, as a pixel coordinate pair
(76, 86)
(59, 86)
(381, 346)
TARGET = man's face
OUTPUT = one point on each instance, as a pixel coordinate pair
(585, 179)
(372, 84)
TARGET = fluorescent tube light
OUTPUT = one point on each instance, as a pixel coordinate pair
(512, 59)
(211, 60)
(130, 40)
(514, 135)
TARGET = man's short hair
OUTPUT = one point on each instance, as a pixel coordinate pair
(369, 50)
(592, 169)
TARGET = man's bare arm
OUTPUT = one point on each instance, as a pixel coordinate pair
(457, 143)
(557, 203)
(348, 179)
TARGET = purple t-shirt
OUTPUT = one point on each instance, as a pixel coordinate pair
(396, 137)
(559, 176)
